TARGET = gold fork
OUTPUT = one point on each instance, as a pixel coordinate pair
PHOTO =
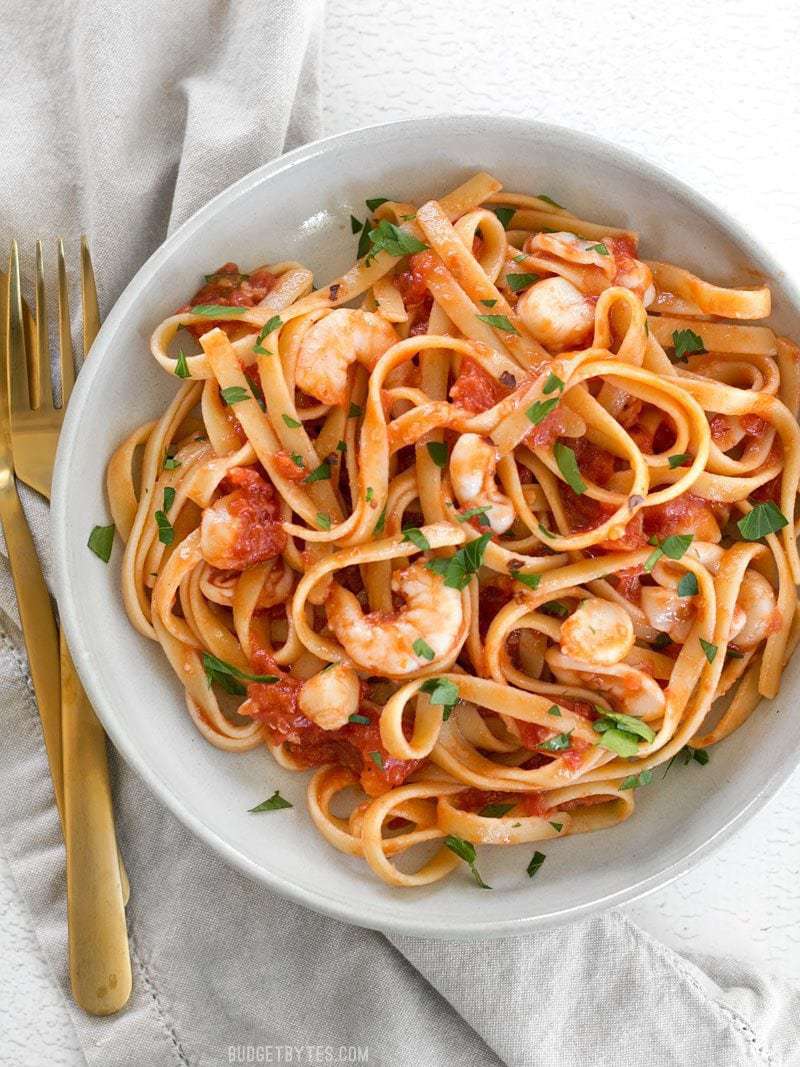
(96, 883)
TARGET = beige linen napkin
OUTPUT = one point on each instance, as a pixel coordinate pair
(119, 121)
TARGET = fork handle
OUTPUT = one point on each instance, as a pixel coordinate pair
(99, 956)
(38, 628)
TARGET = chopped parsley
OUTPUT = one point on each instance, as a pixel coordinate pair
(709, 649)
(478, 513)
(505, 214)
(599, 248)
(101, 541)
(375, 202)
(496, 811)
(181, 367)
(423, 649)
(377, 759)
(293, 424)
(355, 225)
(499, 322)
(548, 200)
(568, 465)
(622, 734)
(416, 537)
(361, 720)
(634, 781)
(531, 580)
(355, 411)
(556, 744)
(518, 282)
(437, 450)
(553, 382)
(686, 343)
(687, 586)
(673, 547)
(386, 237)
(324, 520)
(764, 519)
(275, 803)
(679, 460)
(230, 677)
(457, 570)
(166, 534)
(217, 311)
(488, 303)
(441, 691)
(537, 859)
(234, 394)
(320, 474)
(540, 410)
(465, 850)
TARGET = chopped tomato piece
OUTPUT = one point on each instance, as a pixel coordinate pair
(356, 746)
(628, 583)
(294, 472)
(228, 287)
(753, 425)
(552, 426)
(474, 389)
(253, 509)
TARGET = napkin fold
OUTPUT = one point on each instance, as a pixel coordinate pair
(120, 121)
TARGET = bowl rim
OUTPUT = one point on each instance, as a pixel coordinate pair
(373, 916)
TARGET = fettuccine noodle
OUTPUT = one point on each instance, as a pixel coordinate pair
(483, 530)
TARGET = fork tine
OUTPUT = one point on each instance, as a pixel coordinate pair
(65, 353)
(17, 364)
(40, 384)
(91, 311)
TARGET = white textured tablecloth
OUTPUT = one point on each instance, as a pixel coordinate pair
(707, 90)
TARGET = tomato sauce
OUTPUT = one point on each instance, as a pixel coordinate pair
(254, 507)
(687, 513)
(414, 291)
(475, 390)
(350, 747)
(228, 287)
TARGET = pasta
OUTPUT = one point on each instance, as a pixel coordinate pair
(482, 531)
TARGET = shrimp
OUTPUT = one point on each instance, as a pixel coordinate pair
(557, 314)
(633, 691)
(754, 614)
(331, 697)
(400, 642)
(573, 249)
(756, 601)
(667, 612)
(472, 465)
(597, 632)
(335, 342)
(242, 528)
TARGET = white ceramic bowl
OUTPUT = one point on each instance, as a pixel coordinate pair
(298, 207)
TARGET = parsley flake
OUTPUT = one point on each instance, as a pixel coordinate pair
(437, 450)
(275, 803)
(686, 343)
(499, 322)
(101, 541)
(465, 850)
(568, 465)
(764, 519)
(540, 410)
